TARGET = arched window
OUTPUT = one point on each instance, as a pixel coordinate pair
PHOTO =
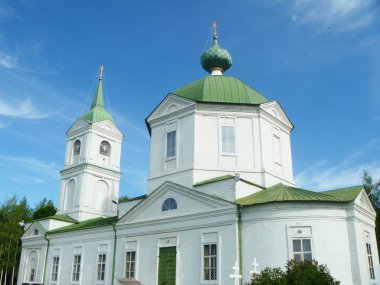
(105, 148)
(35, 232)
(101, 196)
(33, 258)
(70, 195)
(169, 204)
(77, 147)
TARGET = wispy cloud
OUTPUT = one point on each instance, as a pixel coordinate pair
(24, 109)
(18, 178)
(15, 164)
(342, 15)
(323, 175)
(5, 10)
(131, 126)
(377, 118)
(8, 61)
(4, 125)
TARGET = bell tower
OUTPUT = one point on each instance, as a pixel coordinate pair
(90, 177)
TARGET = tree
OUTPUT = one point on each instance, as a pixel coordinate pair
(269, 276)
(372, 189)
(124, 198)
(12, 212)
(296, 273)
(308, 273)
(44, 209)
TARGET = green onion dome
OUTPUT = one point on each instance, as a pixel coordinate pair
(216, 58)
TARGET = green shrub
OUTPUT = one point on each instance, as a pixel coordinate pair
(296, 273)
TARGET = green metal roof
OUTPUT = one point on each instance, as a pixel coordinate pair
(97, 113)
(63, 218)
(93, 223)
(346, 194)
(215, 179)
(285, 193)
(221, 89)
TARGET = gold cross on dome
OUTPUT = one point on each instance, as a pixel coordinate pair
(214, 28)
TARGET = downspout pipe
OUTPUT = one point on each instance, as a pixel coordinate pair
(240, 240)
(46, 255)
(114, 253)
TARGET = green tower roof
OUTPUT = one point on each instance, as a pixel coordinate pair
(221, 89)
(97, 113)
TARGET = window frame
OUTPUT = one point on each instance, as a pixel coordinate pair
(75, 152)
(167, 201)
(167, 157)
(210, 257)
(32, 266)
(102, 265)
(302, 252)
(277, 157)
(76, 269)
(32, 275)
(369, 256)
(131, 273)
(55, 269)
(371, 267)
(224, 144)
(106, 152)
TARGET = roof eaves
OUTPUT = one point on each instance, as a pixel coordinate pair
(347, 194)
(63, 218)
(215, 179)
(292, 201)
(138, 197)
(251, 183)
(88, 224)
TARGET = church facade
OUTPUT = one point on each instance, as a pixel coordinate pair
(221, 200)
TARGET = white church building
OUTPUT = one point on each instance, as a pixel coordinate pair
(221, 201)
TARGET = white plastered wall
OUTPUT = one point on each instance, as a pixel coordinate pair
(89, 169)
(199, 153)
(89, 244)
(336, 237)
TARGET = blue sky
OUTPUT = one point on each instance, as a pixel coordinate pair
(319, 59)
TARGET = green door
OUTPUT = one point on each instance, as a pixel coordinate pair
(166, 265)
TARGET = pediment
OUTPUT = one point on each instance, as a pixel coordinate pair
(171, 104)
(35, 230)
(189, 201)
(275, 110)
(363, 201)
(77, 125)
(109, 126)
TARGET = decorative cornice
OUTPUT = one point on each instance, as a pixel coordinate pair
(272, 119)
(177, 229)
(90, 167)
(179, 114)
(184, 218)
